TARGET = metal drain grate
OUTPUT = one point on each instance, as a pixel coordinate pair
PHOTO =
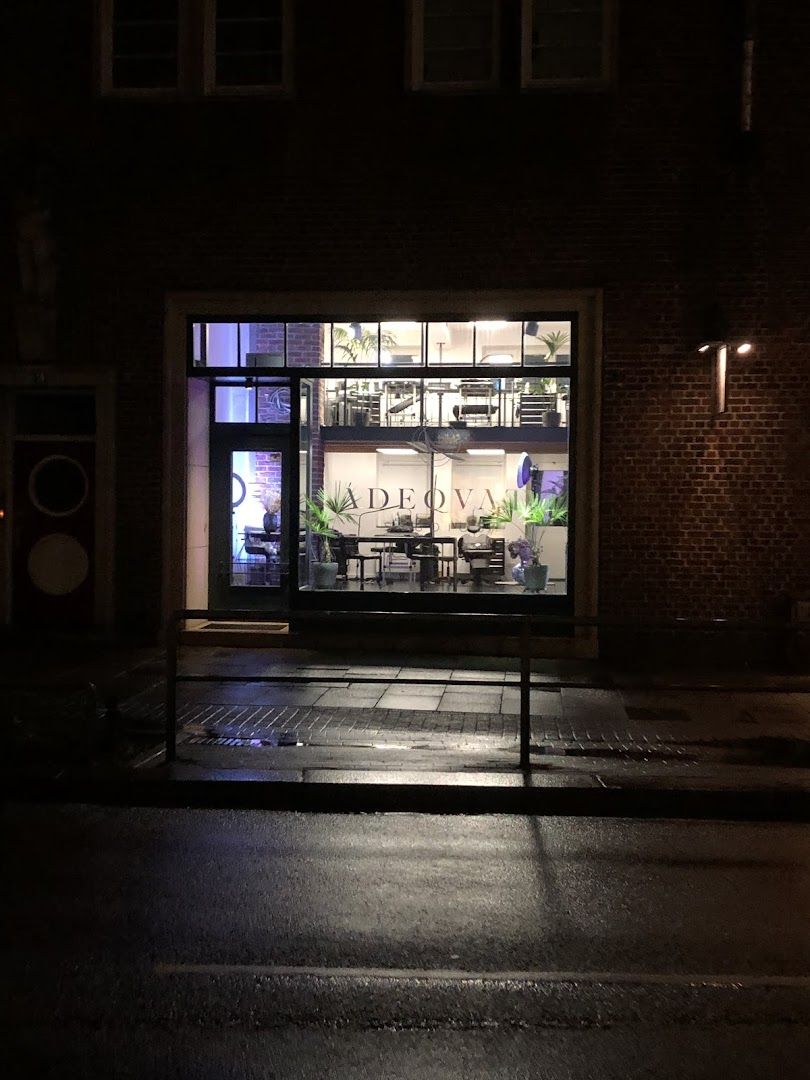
(281, 739)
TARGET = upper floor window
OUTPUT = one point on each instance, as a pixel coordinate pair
(194, 46)
(140, 44)
(565, 42)
(454, 44)
(247, 44)
(457, 44)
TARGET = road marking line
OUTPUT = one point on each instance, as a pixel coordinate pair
(627, 978)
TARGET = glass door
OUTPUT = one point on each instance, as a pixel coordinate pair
(249, 523)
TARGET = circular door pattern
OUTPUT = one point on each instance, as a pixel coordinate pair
(58, 564)
(58, 485)
(238, 490)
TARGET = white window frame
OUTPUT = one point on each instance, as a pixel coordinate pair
(529, 82)
(416, 72)
(104, 54)
(210, 87)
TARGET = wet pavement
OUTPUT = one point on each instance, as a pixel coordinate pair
(327, 717)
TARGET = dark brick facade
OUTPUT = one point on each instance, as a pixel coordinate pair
(648, 190)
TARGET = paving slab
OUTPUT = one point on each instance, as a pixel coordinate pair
(373, 672)
(476, 692)
(362, 697)
(477, 676)
(466, 703)
(421, 702)
(542, 702)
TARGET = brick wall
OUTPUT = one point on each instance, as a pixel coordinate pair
(648, 191)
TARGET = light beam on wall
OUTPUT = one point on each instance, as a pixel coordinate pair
(720, 368)
(721, 379)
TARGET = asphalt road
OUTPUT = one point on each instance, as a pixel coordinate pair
(196, 943)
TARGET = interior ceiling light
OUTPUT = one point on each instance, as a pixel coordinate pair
(398, 450)
(487, 452)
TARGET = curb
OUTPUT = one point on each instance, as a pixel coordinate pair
(765, 804)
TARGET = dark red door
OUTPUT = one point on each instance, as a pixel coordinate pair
(53, 555)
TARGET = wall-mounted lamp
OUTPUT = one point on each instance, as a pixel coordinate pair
(720, 379)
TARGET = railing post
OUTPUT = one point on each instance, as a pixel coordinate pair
(525, 694)
(171, 689)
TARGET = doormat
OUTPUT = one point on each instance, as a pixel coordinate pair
(262, 627)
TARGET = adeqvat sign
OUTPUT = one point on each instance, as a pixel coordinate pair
(406, 498)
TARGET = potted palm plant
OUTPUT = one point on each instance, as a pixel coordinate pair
(537, 513)
(360, 347)
(553, 341)
(320, 516)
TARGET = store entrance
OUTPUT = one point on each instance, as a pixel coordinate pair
(249, 551)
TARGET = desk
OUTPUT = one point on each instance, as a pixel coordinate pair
(410, 541)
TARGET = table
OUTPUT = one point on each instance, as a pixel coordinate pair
(410, 540)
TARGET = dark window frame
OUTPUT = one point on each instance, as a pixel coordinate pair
(214, 89)
(509, 33)
(416, 55)
(529, 82)
(196, 56)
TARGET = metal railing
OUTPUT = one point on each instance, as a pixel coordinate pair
(484, 624)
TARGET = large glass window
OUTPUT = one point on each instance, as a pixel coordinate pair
(483, 343)
(448, 486)
(456, 404)
(433, 455)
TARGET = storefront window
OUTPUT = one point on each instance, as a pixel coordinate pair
(485, 343)
(429, 457)
(427, 485)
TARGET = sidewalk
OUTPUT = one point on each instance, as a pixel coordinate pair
(602, 731)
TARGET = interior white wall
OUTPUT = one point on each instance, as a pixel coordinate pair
(478, 483)
(221, 344)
